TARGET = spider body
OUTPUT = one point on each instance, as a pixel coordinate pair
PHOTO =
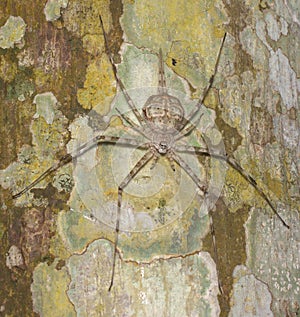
(163, 116)
(164, 113)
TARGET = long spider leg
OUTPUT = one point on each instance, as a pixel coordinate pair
(118, 79)
(236, 166)
(203, 188)
(133, 125)
(62, 161)
(188, 129)
(188, 170)
(128, 120)
(79, 151)
(162, 86)
(138, 166)
(206, 90)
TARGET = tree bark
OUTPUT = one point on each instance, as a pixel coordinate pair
(58, 90)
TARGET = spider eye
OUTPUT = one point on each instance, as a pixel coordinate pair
(163, 147)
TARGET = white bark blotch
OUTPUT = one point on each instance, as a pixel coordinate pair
(283, 79)
(14, 257)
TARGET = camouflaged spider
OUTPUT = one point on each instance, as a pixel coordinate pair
(163, 123)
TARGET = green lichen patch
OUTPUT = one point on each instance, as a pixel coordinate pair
(140, 69)
(53, 7)
(39, 158)
(21, 87)
(52, 134)
(12, 32)
(45, 105)
(166, 25)
(75, 232)
(179, 238)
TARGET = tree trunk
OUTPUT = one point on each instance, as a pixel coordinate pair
(180, 252)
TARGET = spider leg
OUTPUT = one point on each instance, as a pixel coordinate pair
(206, 90)
(188, 129)
(174, 157)
(79, 151)
(138, 166)
(162, 86)
(133, 125)
(128, 120)
(237, 167)
(155, 160)
(117, 78)
(203, 188)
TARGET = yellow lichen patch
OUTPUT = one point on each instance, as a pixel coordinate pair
(274, 185)
(58, 248)
(8, 69)
(169, 186)
(236, 190)
(82, 17)
(49, 291)
(75, 231)
(86, 229)
(52, 135)
(94, 44)
(116, 122)
(41, 78)
(212, 100)
(99, 87)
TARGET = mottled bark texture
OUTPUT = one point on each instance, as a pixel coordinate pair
(57, 89)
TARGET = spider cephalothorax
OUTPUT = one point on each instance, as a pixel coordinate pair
(164, 113)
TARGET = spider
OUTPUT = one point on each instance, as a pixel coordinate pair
(164, 124)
